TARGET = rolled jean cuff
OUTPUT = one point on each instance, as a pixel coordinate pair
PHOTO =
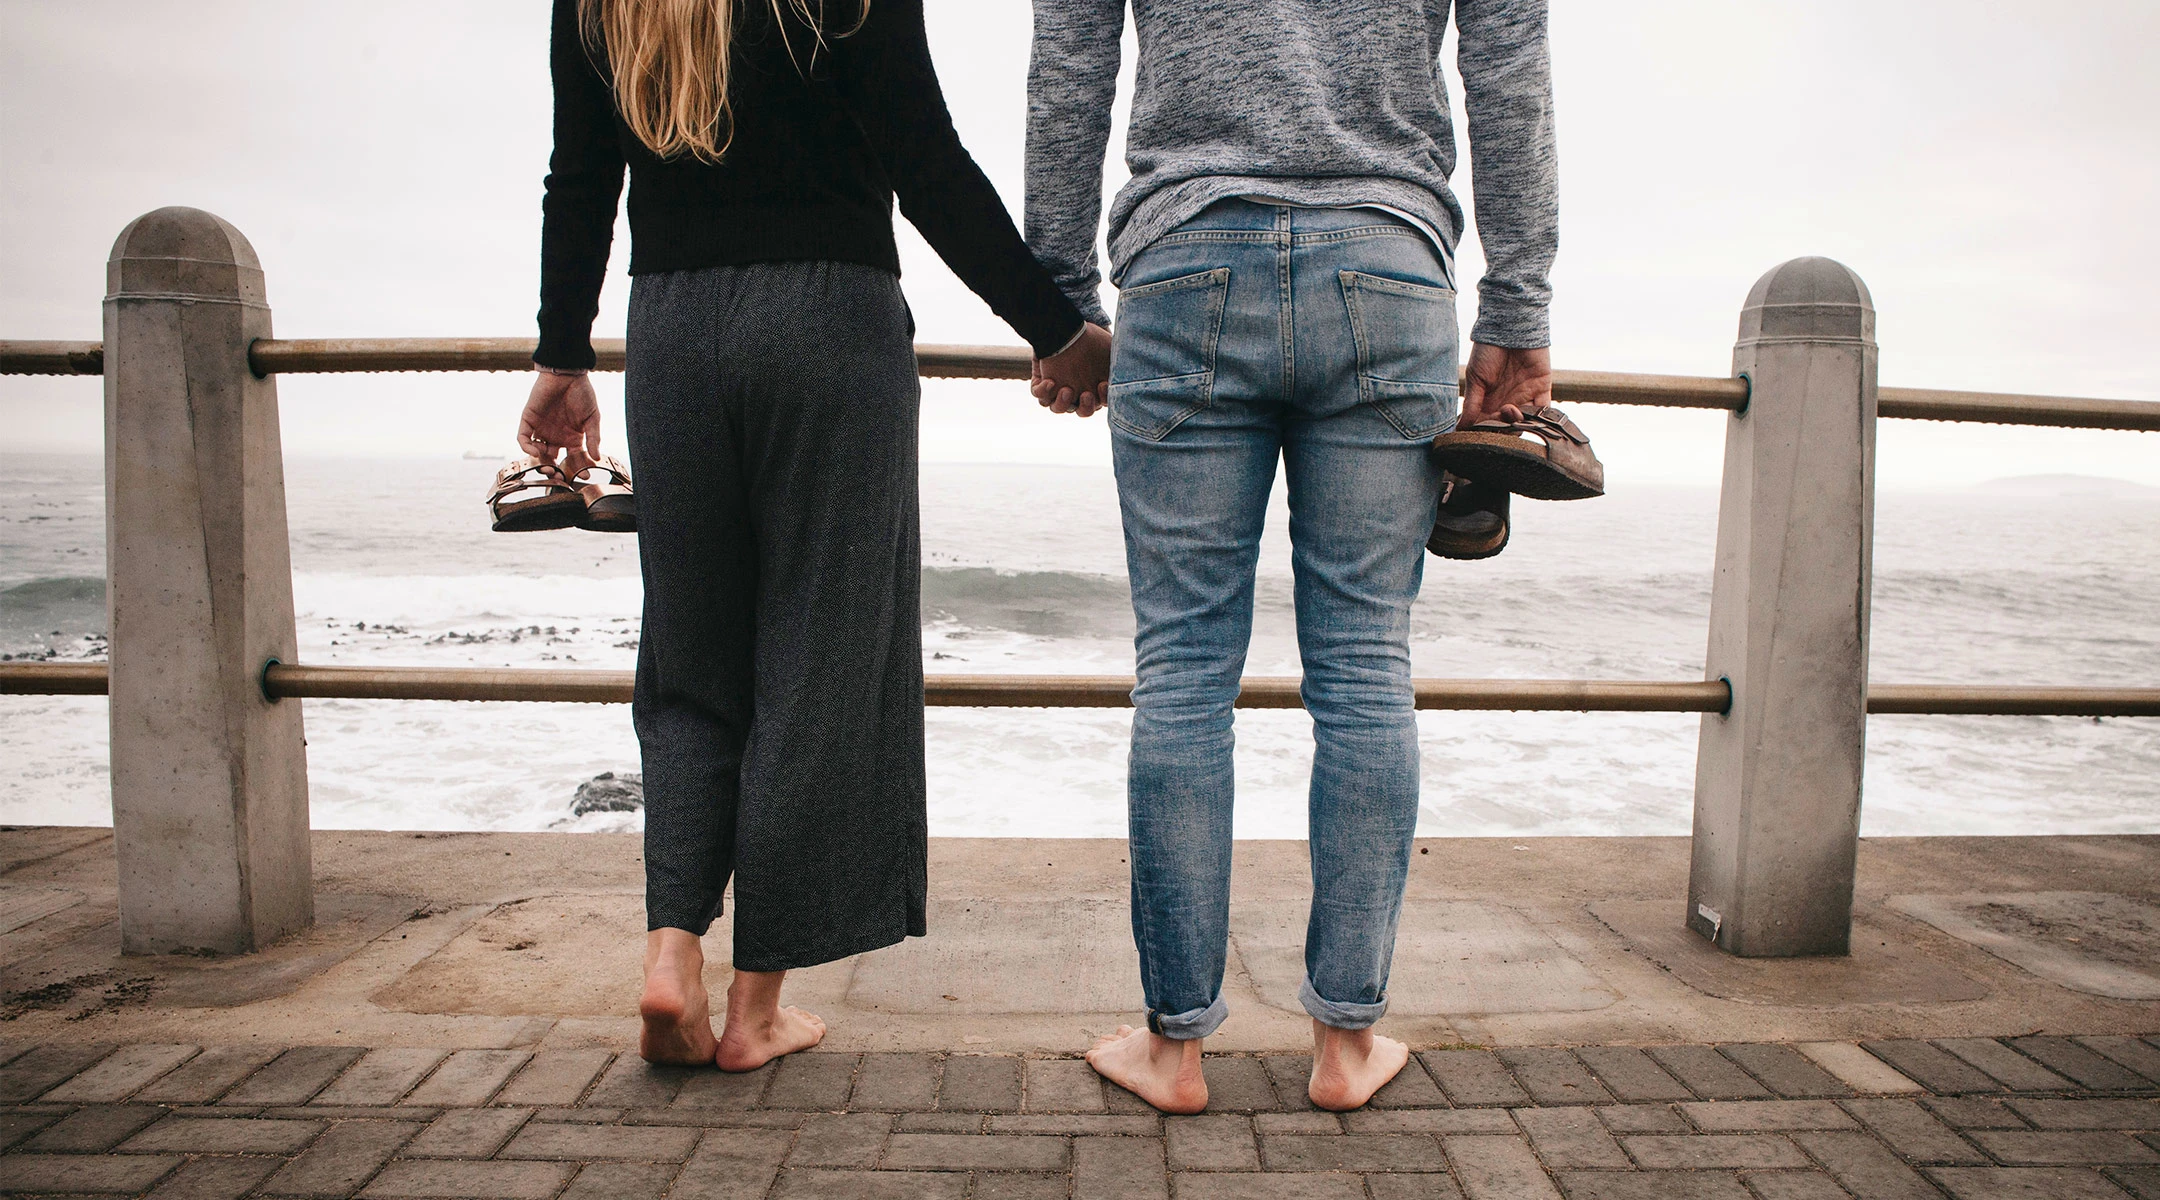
(1337, 1015)
(1186, 1026)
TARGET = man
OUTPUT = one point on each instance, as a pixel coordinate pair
(1285, 258)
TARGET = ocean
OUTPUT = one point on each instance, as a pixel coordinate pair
(2036, 581)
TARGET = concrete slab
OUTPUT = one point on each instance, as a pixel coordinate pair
(1880, 969)
(1029, 956)
(2099, 943)
(1451, 957)
(22, 903)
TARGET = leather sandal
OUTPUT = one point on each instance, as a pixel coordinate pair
(609, 504)
(1473, 521)
(1554, 462)
(530, 495)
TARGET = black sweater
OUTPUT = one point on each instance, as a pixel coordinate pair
(817, 157)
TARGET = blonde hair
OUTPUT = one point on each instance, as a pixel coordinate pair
(670, 63)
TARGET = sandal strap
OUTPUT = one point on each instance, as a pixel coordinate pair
(1548, 423)
(525, 475)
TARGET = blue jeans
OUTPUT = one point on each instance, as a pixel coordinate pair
(1326, 337)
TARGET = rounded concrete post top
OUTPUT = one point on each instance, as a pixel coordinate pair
(1808, 300)
(183, 254)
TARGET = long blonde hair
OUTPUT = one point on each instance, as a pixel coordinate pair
(670, 63)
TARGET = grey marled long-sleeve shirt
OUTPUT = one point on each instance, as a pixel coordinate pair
(1321, 102)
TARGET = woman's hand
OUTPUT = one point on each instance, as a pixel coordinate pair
(562, 416)
(1077, 378)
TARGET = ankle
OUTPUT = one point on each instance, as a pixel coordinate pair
(675, 953)
(1344, 1042)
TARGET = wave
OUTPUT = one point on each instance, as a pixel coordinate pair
(44, 617)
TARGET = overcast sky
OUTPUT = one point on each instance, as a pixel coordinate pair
(1992, 169)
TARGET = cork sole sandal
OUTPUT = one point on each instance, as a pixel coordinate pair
(610, 505)
(530, 495)
(1543, 456)
(1473, 521)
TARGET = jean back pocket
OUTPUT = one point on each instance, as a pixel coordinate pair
(1163, 367)
(1406, 350)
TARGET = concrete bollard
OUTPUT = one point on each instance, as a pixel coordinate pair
(209, 778)
(1777, 778)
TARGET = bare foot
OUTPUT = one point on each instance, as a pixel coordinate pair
(1349, 1065)
(758, 1030)
(1165, 1072)
(676, 1011)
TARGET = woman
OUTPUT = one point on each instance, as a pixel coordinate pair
(771, 397)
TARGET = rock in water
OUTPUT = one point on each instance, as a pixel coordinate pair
(609, 792)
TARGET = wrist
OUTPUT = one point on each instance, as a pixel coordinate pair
(544, 369)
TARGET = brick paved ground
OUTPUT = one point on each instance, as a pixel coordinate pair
(2032, 1118)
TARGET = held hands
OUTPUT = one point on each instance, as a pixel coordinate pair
(562, 416)
(1507, 384)
(1077, 378)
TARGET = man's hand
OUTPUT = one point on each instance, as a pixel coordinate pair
(1508, 384)
(1077, 378)
(562, 416)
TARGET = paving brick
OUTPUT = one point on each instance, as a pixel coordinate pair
(467, 1133)
(121, 1074)
(1411, 1088)
(980, 1083)
(869, 1185)
(1212, 1142)
(2141, 1182)
(602, 1143)
(1973, 1112)
(1014, 1185)
(10, 1051)
(1864, 1167)
(1473, 1078)
(206, 1076)
(975, 1152)
(1571, 1138)
(1314, 1121)
(96, 1128)
(621, 1181)
(582, 1116)
(710, 1118)
(1425, 1186)
(1785, 1071)
(217, 1178)
(1062, 1085)
(840, 1140)
(2063, 1149)
(554, 1077)
(223, 1135)
(1643, 1118)
(733, 1164)
(1351, 1152)
(819, 1082)
(631, 1082)
(1629, 1074)
(2089, 1114)
(1914, 1132)
(1554, 1076)
(942, 1122)
(39, 1070)
(468, 1078)
(115, 1173)
(1652, 1185)
(16, 1126)
(1710, 1075)
(896, 1083)
(2023, 1183)
(1497, 1168)
(1933, 1067)
(1766, 1116)
(1118, 1169)
(1120, 1101)
(2090, 1070)
(381, 1076)
(1715, 1151)
(1270, 1185)
(341, 1159)
(2006, 1066)
(319, 1112)
(2134, 1053)
(725, 1090)
(1795, 1185)
(294, 1076)
(1856, 1068)
(445, 1179)
(1258, 1084)
(1089, 1124)
(1423, 1120)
